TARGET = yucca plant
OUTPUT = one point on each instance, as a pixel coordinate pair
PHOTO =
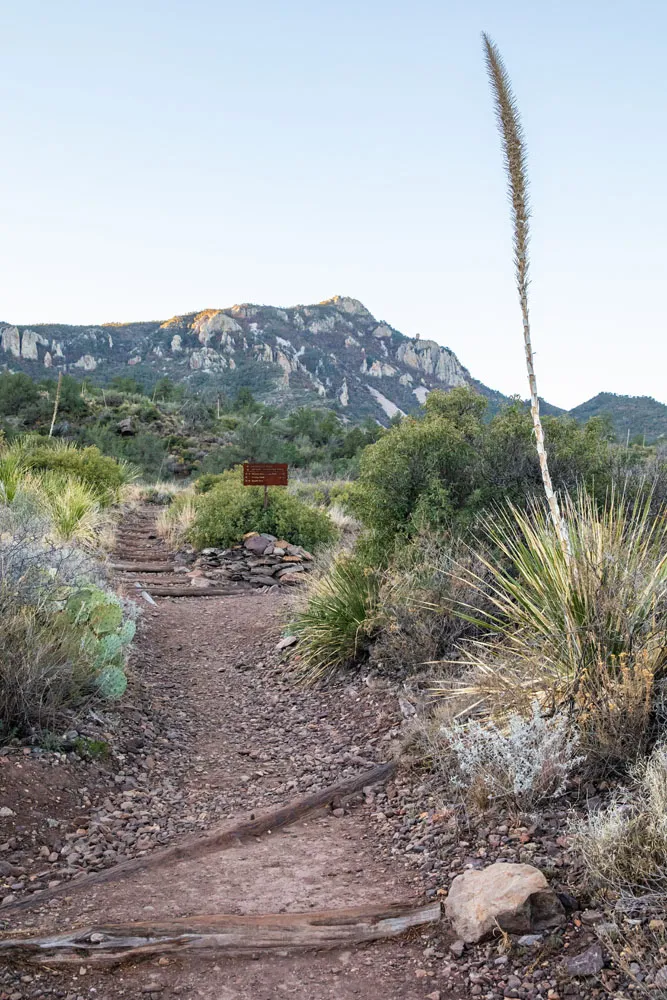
(337, 621)
(14, 473)
(584, 632)
(73, 508)
(514, 149)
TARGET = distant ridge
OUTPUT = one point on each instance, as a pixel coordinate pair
(333, 353)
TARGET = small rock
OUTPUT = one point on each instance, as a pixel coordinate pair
(286, 642)
(5, 811)
(457, 948)
(435, 995)
(529, 940)
(586, 963)
(660, 978)
(591, 917)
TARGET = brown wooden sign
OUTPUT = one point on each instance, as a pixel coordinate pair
(265, 473)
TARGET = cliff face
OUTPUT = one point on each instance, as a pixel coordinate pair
(335, 352)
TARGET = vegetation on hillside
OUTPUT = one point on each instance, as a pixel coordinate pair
(65, 633)
(166, 430)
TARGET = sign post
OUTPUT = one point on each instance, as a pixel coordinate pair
(265, 474)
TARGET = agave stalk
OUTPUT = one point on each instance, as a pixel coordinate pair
(56, 403)
(514, 149)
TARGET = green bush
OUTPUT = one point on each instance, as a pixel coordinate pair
(105, 476)
(229, 510)
(448, 464)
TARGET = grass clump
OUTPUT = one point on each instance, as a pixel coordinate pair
(229, 510)
(337, 622)
(624, 847)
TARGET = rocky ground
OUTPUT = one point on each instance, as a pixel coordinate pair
(213, 729)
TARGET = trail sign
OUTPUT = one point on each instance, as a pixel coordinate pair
(265, 473)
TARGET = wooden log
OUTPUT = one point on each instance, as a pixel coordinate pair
(154, 567)
(110, 944)
(193, 591)
(218, 840)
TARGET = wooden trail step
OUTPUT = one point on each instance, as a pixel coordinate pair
(192, 591)
(132, 567)
(110, 944)
(218, 840)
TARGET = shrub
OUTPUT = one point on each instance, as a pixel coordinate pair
(417, 597)
(582, 632)
(230, 509)
(176, 521)
(104, 475)
(53, 651)
(337, 622)
(522, 763)
(624, 847)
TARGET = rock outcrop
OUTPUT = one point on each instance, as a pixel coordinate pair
(335, 353)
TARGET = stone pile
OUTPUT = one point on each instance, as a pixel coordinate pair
(261, 561)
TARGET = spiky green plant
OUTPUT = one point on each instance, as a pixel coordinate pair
(514, 149)
(336, 623)
(588, 631)
(73, 508)
(13, 473)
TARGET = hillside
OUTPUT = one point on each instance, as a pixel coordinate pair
(334, 352)
(636, 416)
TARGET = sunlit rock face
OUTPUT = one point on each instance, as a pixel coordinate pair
(332, 353)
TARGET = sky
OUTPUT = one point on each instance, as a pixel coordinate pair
(159, 157)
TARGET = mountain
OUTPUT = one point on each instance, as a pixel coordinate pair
(633, 416)
(335, 352)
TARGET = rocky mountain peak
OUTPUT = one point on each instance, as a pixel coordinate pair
(335, 352)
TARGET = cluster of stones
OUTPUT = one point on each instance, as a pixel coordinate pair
(262, 561)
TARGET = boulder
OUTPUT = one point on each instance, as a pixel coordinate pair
(125, 427)
(257, 544)
(516, 898)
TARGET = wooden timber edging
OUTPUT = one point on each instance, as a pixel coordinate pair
(110, 944)
(218, 840)
(147, 567)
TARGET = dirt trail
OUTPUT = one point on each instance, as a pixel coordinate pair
(249, 741)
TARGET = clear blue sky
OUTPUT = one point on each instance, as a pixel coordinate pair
(167, 156)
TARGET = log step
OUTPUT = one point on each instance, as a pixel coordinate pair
(227, 933)
(192, 591)
(131, 567)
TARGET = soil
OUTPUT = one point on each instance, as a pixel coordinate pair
(211, 731)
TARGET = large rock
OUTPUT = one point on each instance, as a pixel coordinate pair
(516, 898)
(257, 544)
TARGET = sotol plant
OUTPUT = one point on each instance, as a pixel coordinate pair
(514, 149)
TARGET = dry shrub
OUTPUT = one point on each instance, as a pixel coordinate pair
(624, 847)
(42, 667)
(521, 763)
(418, 598)
(615, 709)
(175, 521)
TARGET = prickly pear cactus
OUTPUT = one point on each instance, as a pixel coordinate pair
(98, 616)
(111, 682)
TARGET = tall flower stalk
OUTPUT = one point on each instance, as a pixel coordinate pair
(514, 149)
